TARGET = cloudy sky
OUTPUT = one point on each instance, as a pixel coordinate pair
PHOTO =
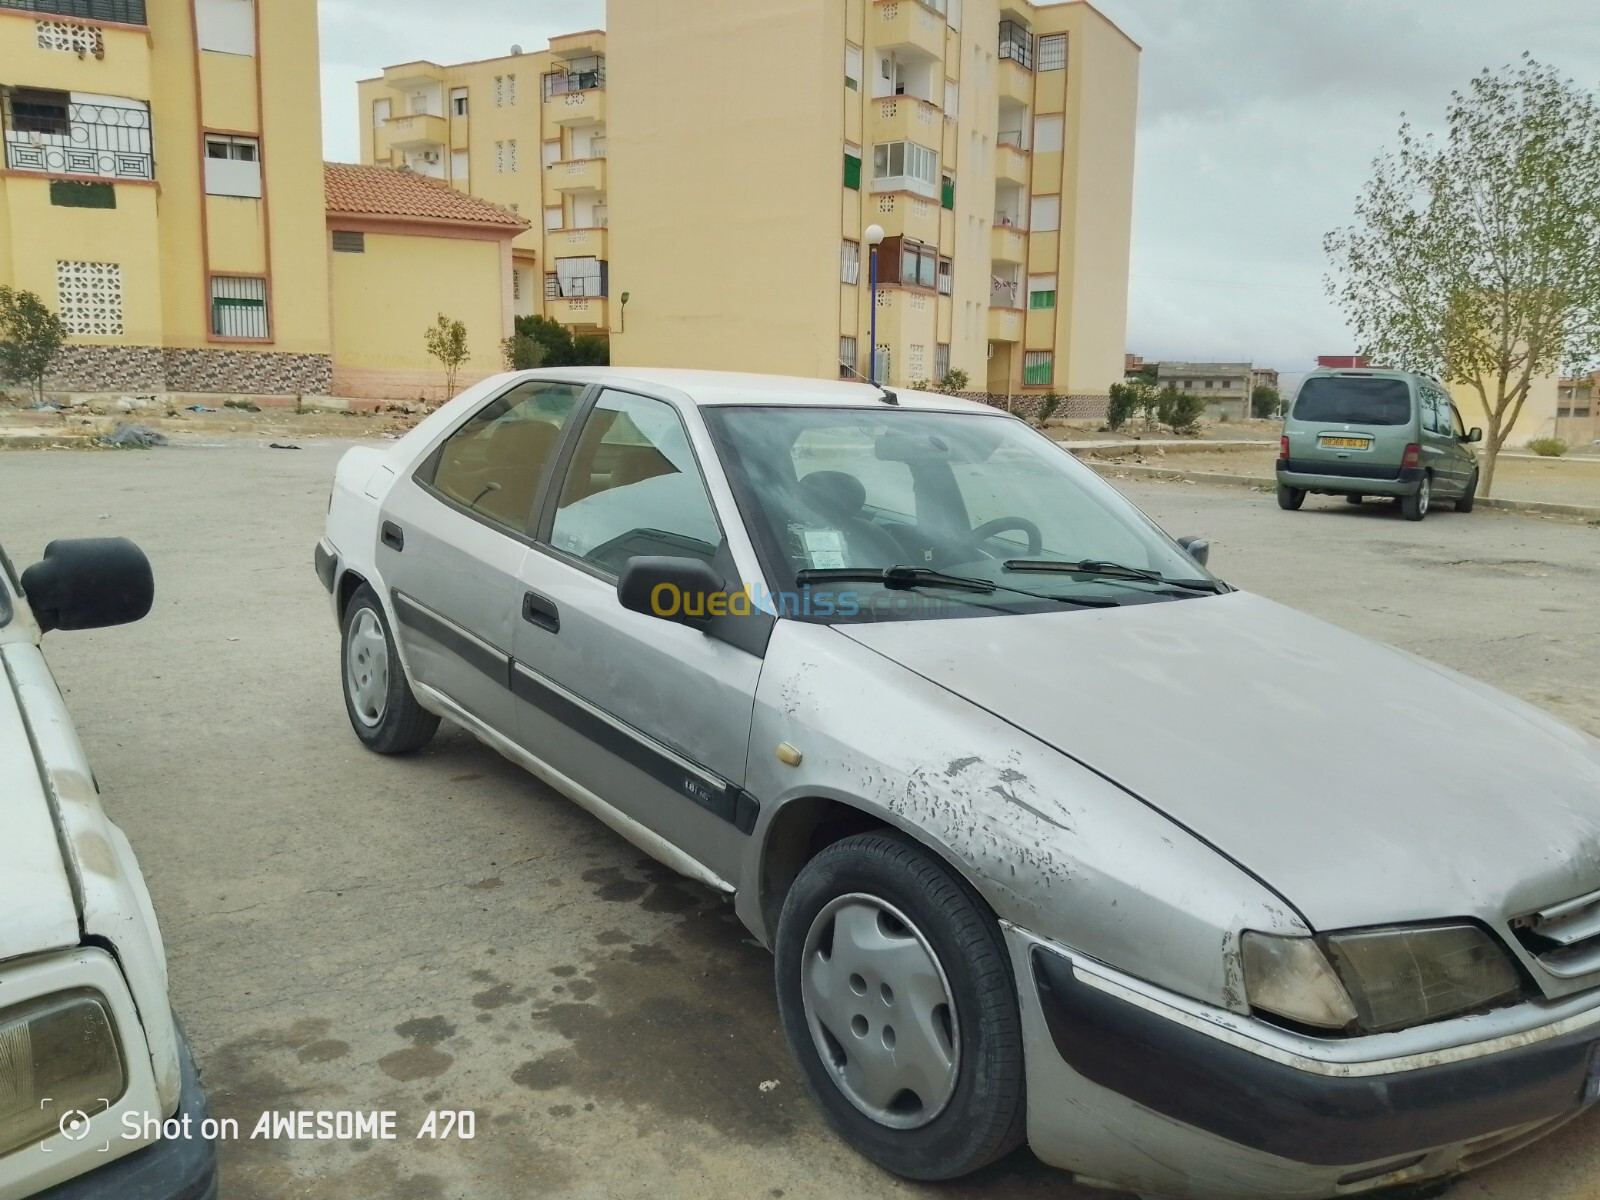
(1257, 121)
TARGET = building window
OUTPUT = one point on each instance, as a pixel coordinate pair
(947, 191)
(881, 363)
(1016, 43)
(1045, 214)
(946, 276)
(919, 265)
(226, 26)
(48, 114)
(89, 296)
(552, 286)
(905, 165)
(1038, 368)
(381, 111)
(1041, 291)
(460, 167)
(941, 362)
(1047, 132)
(345, 242)
(233, 166)
(952, 99)
(850, 262)
(458, 102)
(852, 67)
(239, 308)
(552, 219)
(70, 193)
(1053, 52)
(584, 276)
(852, 167)
(123, 12)
(848, 362)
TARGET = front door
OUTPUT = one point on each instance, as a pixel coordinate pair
(452, 539)
(650, 716)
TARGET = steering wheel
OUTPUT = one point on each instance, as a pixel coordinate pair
(1021, 524)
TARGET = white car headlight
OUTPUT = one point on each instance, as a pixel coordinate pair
(1379, 980)
(61, 1048)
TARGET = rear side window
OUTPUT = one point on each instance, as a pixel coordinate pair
(1352, 400)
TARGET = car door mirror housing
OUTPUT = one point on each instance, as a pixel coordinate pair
(686, 591)
(1473, 435)
(90, 583)
(1197, 547)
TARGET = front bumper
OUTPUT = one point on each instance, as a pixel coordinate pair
(171, 1169)
(1121, 1091)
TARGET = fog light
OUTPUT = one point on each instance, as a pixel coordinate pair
(62, 1049)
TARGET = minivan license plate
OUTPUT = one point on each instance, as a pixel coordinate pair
(1347, 443)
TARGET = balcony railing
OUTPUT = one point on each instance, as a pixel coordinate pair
(1016, 43)
(580, 75)
(49, 134)
(126, 12)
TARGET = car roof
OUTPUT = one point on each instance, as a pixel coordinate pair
(716, 388)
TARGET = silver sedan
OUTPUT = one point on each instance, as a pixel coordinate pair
(1055, 836)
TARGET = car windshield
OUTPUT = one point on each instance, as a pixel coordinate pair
(858, 513)
(1354, 400)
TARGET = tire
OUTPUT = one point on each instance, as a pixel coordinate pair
(1470, 496)
(377, 697)
(919, 923)
(1415, 506)
(1290, 498)
(1354, 499)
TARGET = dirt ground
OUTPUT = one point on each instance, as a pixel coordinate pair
(1210, 431)
(180, 423)
(1546, 480)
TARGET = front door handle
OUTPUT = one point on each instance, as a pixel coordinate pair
(393, 536)
(541, 611)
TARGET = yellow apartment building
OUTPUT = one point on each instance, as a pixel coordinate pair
(528, 132)
(162, 190)
(992, 141)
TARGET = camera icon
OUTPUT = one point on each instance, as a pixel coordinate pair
(74, 1125)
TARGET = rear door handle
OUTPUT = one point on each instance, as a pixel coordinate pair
(540, 611)
(393, 536)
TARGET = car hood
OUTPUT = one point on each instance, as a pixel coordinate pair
(1362, 783)
(35, 890)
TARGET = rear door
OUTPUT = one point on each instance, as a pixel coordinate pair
(1439, 455)
(452, 539)
(1352, 425)
(650, 716)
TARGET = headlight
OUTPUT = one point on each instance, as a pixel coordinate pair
(1378, 979)
(60, 1048)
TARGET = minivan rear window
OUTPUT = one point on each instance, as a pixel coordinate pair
(1351, 400)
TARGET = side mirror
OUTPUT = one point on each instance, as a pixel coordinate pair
(90, 583)
(1474, 435)
(682, 590)
(1198, 548)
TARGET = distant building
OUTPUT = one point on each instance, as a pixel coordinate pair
(1225, 387)
(1578, 409)
(1264, 377)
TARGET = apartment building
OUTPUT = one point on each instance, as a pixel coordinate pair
(163, 190)
(528, 132)
(753, 147)
(1225, 387)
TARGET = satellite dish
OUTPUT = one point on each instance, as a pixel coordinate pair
(516, 50)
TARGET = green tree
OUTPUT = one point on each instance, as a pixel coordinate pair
(561, 348)
(1138, 395)
(447, 341)
(1475, 255)
(1265, 400)
(31, 336)
(1179, 411)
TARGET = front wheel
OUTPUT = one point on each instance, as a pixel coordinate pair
(1470, 496)
(1415, 506)
(378, 699)
(1290, 498)
(896, 997)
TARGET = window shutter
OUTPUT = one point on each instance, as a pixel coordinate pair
(852, 170)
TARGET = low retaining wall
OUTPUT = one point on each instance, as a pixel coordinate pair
(145, 370)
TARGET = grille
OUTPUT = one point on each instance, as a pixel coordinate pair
(1564, 937)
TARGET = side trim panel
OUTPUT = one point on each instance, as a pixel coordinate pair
(471, 649)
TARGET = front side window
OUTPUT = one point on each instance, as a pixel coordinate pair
(493, 465)
(633, 487)
(971, 495)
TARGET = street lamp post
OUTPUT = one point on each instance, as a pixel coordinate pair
(873, 236)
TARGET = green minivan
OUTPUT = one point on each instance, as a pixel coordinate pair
(1359, 433)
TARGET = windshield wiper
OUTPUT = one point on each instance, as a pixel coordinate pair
(1105, 570)
(909, 577)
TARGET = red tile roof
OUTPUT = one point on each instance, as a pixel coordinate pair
(386, 192)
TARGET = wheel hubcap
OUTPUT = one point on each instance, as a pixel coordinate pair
(880, 1011)
(367, 668)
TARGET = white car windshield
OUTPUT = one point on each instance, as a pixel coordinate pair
(979, 499)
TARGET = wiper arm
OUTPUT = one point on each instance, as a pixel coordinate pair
(1104, 570)
(894, 577)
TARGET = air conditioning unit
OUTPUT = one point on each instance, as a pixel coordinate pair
(430, 156)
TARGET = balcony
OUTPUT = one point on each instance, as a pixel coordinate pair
(51, 134)
(905, 119)
(907, 23)
(579, 311)
(416, 132)
(904, 215)
(1005, 324)
(125, 12)
(578, 175)
(574, 94)
(577, 108)
(412, 75)
(578, 243)
(1011, 165)
(1016, 83)
(1008, 245)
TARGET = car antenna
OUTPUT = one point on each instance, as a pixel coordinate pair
(887, 396)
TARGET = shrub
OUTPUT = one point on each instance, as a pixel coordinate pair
(1126, 400)
(31, 335)
(522, 353)
(1548, 447)
(446, 340)
(1179, 411)
(242, 405)
(1048, 408)
(955, 380)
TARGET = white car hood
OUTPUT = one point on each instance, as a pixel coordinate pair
(1363, 784)
(35, 890)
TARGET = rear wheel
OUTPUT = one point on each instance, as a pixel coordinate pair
(1290, 498)
(1470, 496)
(896, 996)
(1415, 506)
(378, 699)
(1354, 499)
